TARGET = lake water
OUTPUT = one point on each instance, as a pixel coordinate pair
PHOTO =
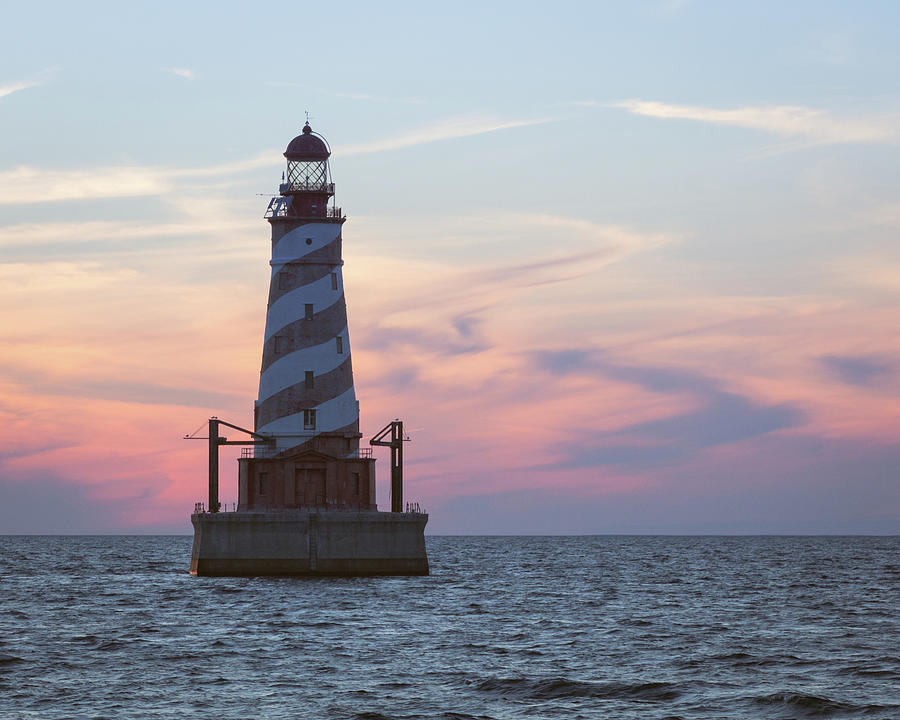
(504, 627)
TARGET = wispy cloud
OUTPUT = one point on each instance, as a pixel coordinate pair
(711, 418)
(857, 370)
(15, 87)
(36, 235)
(461, 305)
(144, 392)
(445, 130)
(184, 72)
(262, 159)
(790, 121)
(26, 184)
(475, 279)
(19, 278)
(39, 79)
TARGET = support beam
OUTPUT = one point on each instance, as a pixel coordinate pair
(397, 467)
(213, 465)
(214, 441)
(396, 445)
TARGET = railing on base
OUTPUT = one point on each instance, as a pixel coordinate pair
(259, 451)
(200, 508)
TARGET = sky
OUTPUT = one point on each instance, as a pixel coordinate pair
(620, 267)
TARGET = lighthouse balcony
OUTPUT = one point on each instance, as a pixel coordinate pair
(282, 206)
(300, 186)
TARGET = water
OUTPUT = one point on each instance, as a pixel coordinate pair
(573, 627)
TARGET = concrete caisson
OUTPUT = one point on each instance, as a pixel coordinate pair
(304, 542)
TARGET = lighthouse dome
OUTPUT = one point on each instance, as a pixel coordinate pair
(307, 146)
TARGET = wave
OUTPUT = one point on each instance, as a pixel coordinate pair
(868, 671)
(743, 659)
(556, 688)
(809, 705)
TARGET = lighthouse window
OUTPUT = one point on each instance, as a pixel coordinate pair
(339, 341)
(309, 379)
(279, 341)
(263, 480)
(309, 311)
(334, 281)
(355, 478)
(309, 419)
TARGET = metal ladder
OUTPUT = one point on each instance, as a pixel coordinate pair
(313, 543)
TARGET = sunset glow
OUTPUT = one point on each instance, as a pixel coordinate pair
(663, 302)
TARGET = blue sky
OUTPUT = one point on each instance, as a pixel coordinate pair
(622, 266)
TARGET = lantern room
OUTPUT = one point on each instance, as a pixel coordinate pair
(307, 188)
(307, 164)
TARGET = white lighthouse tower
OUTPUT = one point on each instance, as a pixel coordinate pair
(306, 382)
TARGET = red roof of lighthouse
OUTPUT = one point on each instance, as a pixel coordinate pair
(307, 146)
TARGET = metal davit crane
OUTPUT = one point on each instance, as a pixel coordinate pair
(214, 441)
(395, 428)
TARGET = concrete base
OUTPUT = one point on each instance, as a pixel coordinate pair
(309, 542)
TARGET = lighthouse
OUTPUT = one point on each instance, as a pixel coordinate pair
(306, 490)
(306, 381)
(306, 407)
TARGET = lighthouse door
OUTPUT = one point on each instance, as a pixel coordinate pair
(315, 486)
